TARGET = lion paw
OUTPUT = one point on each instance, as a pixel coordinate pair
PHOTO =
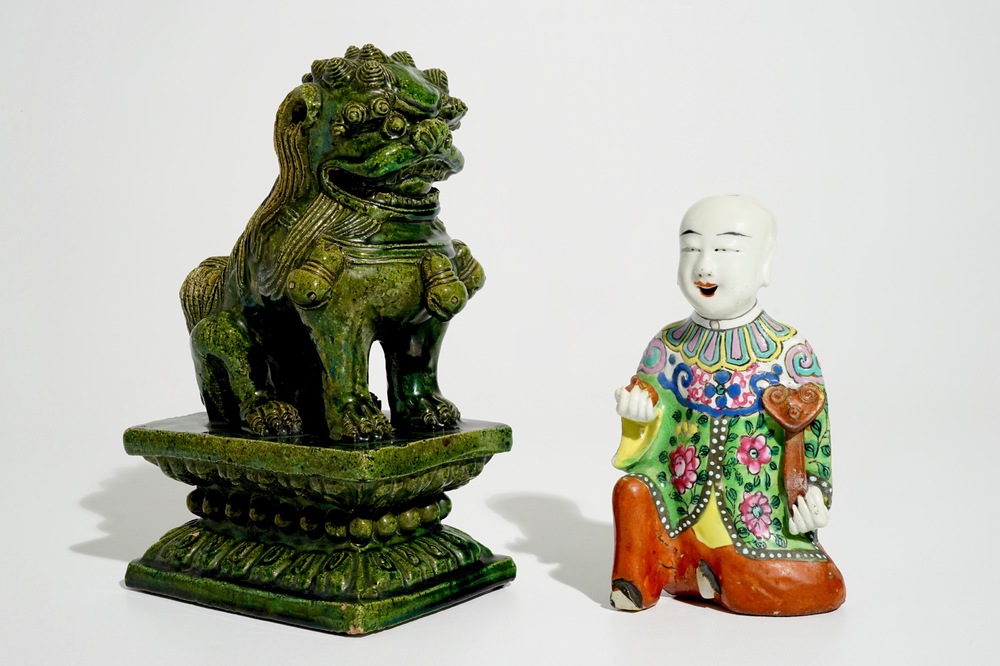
(273, 417)
(363, 420)
(431, 412)
(447, 412)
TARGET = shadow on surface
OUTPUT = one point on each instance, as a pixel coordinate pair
(557, 533)
(137, 505)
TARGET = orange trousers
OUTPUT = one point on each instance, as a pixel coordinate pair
(651, 561)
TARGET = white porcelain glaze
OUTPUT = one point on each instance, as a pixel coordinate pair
(726, 244)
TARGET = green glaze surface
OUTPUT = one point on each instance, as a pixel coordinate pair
(313, 505)
(346, 250)
(323, 534)
(188, 449)
(333, 615)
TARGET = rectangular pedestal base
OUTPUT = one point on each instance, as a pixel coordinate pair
(336, 616)
(335, 536)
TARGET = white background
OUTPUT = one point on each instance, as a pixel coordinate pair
(136, 140)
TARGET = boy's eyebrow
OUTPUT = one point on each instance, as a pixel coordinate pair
(690, 231)
(732, 233)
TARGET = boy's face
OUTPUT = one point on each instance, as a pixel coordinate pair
(726, 246)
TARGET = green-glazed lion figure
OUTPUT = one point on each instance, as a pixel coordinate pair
(347, 249)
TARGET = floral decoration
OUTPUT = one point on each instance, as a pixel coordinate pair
(753, 452)
(723, 389)
(755, 509)
(684, 467)
(685, 429)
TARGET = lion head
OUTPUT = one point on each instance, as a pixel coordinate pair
(370, 127)
(371, 131)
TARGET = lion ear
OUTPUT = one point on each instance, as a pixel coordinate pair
(295, 116)
(301, 107)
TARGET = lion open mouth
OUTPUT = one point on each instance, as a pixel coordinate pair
(410, 188)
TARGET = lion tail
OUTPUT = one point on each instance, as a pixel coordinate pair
(201, 293)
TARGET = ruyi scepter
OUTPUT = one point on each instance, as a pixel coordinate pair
(794, 409)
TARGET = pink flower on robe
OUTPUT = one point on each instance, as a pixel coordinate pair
(683, 467)
(753, 453)
(756, 513)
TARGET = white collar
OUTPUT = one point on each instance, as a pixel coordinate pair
(723, 324)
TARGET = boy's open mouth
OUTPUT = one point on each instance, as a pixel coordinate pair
(707, 289)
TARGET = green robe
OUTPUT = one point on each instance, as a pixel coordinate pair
(713, 432)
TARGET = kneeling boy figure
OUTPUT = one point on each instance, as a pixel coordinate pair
(725, 440)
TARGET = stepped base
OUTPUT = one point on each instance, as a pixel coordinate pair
(339, 538)
(320, 589)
